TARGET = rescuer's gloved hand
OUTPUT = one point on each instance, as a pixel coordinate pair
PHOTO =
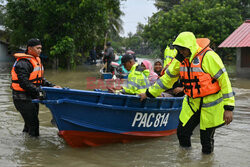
(179, 57)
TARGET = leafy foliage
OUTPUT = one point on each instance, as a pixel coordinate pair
(65, 47)
(134, 42)
(166, 5)
(1, 16)
(83, 23)
(214, 19)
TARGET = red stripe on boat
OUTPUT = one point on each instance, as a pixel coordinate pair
(80, 138)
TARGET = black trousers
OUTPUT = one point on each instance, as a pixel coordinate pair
(109, 67)
(206, 136)
(29, 112)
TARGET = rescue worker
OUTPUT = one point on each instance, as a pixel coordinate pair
(109, 56)
(209, 99)
(137, 79)
(27, 76)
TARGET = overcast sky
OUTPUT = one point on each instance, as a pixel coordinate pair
(136, 11)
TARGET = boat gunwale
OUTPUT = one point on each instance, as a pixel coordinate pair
(107, 93)
(107, 106)
(102, 95)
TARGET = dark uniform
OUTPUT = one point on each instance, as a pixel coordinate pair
(109, 56)
(24, 89)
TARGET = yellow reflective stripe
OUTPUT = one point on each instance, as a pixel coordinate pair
(146, 80)
(219, 73)
(228, 95)
(159, 82)
(137, 86)
(212, 103)
(171, 76)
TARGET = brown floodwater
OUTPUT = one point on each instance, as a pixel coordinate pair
(232, 143)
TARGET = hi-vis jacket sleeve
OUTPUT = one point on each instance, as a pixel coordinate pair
(127, 90)
(131, 86)
(213, 65)
(167, 80)
(169, 55)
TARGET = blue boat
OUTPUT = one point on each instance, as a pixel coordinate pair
(93, 118)
(106, 75)
(109, 75)
(118, 72)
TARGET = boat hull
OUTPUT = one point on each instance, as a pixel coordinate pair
(89, 118)
(85, 138)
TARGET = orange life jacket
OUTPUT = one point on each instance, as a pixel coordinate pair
(36, 75)
(196, 82)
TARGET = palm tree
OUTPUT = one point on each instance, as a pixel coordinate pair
(114, 23)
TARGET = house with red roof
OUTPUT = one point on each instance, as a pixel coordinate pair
(240, 39)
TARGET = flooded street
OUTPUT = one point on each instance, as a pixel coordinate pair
(232, 143)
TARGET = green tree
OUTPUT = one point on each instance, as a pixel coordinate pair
(66, 47)
(56, 21)
(212, 20)
(133, 42)
(1, 12)
(114, 22)
(1, 17)
(242, 5)
(166, 5)
(136, 42)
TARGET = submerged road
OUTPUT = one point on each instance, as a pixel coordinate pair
(232, 143)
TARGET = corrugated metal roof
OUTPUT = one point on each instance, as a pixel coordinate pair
(239, 38)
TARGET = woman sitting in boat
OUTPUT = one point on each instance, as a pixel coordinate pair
(177, 90)
(152, 76)
(158, 66)
(137, 79)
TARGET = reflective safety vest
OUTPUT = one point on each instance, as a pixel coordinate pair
(137, 81)
(196, 82)
(36, 75)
